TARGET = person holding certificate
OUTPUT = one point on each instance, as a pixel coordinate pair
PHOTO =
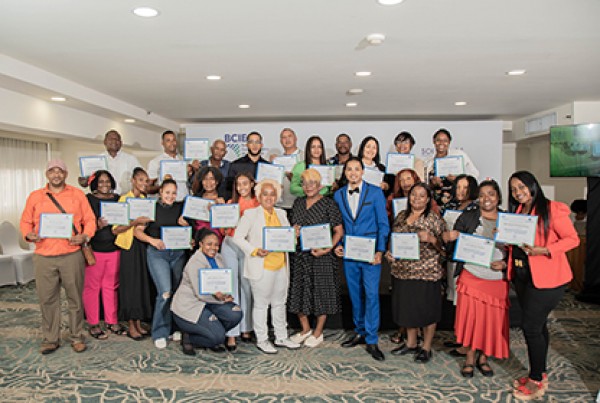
(314, 154)
(288, 156)
(267, 271)
(405, 179)
(368, 152)
(243, 195)
(540, 273)
(363, 213)
(206, 185)
(404, 143)
(135, 288)
(481, 323)
(103, 277)
(164, 265)
(416, 287)
(194, 310)
(314, 285)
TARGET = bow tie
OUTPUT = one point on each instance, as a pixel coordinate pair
(351, 192)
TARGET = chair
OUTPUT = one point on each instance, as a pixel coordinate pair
(8, 275)
(22, 258)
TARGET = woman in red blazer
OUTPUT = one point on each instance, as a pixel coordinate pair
(540, 273)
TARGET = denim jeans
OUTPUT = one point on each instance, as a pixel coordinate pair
(214, 321)
(166, 268)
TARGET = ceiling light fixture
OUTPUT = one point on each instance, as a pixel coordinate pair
(244, 106)
(460, 103)
(213, 78)
(516, 72)
(129, 120)
(362, 73)
(389, 2)
(146, 12)
(355, 91)
(351, 104)
(375, 39)
(58, 99)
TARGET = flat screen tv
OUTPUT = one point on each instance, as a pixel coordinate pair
(575, 150)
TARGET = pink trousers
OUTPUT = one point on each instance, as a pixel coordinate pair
(102, 277)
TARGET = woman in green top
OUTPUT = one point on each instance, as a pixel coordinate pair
(314, 154)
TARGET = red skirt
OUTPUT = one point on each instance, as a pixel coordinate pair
(482, 315)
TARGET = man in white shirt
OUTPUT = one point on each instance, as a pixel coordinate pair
(169, 143)
(120, 164)
(289, 143)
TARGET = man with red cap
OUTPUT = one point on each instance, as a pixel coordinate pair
(59, 261)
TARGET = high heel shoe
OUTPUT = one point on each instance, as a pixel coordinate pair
(464, 370)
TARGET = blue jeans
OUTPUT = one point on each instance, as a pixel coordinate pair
(215, 320)
(166, 268)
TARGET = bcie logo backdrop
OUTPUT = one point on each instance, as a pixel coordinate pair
(236, 145)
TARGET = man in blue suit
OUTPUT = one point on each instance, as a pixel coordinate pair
(364, 214)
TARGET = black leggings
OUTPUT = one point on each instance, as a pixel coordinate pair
(536, 305)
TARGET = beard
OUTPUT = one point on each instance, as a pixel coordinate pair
(254, 154)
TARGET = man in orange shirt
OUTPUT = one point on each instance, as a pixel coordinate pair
(59, 261)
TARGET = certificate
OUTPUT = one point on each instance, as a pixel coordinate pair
(339, 170)
(139, 207)
(373, 176)
(450, 216)
(115, 213)
(474, 249)
(212, 281)
(449, 166)
(288, 161)
(399, 205)
(279, 239)
(516, 229)
(89, 165)
(197, 208)
(315, 237)
(396, 162)
(177, 170)
(359, 248)
(327, 173)
(56, 225)
(270, 171)
(176, 237)
(195, 149)
(405, 245)
(224, 215)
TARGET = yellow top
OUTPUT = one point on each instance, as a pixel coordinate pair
(274, 260)
(125, 239)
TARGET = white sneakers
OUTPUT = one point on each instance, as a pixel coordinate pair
(299, 337)
(176, 336)
(287, 343)
(266, 347)
(160, 343)
(313, 341)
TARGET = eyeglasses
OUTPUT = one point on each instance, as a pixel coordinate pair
(309, 184)
(256, 142)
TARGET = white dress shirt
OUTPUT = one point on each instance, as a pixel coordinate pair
(354, 198)
(121, 168)
(154, 172)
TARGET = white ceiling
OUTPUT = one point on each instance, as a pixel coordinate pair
(296, 59)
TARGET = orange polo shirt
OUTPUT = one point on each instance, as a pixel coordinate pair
(73, 201)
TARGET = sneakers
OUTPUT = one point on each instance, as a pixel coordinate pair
(266, 347)
(176, 336)
(300, 337)
(313, 341)
(287, 343)
(160, 343)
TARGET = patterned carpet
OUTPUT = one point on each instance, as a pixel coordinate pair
(123, 370)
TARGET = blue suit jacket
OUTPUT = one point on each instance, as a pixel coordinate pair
(371, 216)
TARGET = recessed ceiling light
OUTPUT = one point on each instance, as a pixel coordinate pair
(351, 104)
(213, 78)
(389, 2)
(460, 103)
(145, 12)
(129, 120)
(362, 73)
(243, 106)
(516, 72)
(355, 91)
(58, 99)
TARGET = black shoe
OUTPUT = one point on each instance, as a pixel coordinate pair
(247, 339)
(231, 348)
(404, 349)
(375, 352)
(452, 344)
(456, 353)
(217, 349)
(354, 341)
(467, 371)
(186, 345)
(423, 356)
(484, 368)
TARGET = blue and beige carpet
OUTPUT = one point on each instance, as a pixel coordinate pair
(122, 370)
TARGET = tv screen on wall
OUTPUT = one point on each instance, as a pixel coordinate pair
(575, 150)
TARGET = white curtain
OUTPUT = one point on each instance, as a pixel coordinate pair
(22, 166)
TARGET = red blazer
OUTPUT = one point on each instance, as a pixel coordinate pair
(554, 270)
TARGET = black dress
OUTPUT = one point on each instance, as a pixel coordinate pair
(314, 281)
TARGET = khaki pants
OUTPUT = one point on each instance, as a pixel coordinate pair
(50, 273)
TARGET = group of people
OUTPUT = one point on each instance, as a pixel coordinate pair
(138, 279)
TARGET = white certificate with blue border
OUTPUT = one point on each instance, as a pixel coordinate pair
(315, 237)
(373, 176)
(89, 165)
(56, 226)
(288, 161)
(177, 170)
(115, 213)
(399, 205)
(270, 171)
(212, 281)
(327, 173)
(224, 215)
(452, 165)
(197, 208)
(139, 207)
(176, 237)
(474, 249)
(359, 248)
(396, 162)
(339, 170)
(279, 239)
(450, 216)
(405, 245)
(516, 229)
(196, 149)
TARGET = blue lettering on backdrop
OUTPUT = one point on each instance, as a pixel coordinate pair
(236, 144)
